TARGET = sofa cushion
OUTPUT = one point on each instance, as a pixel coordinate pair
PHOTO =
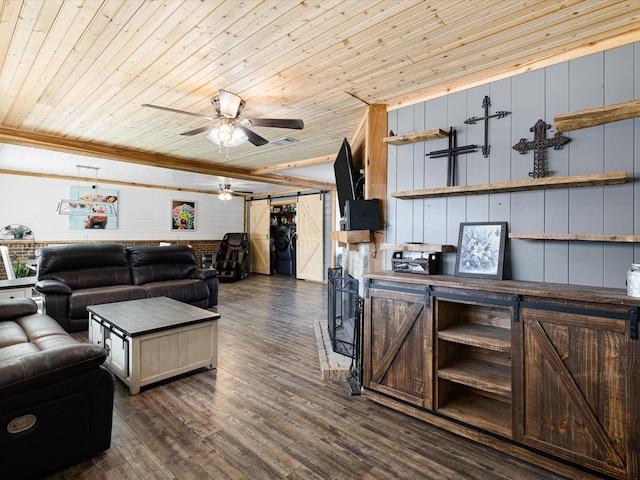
(17, 350)
(11, 333)
(85, 265)
(157, 264)
(81, 299)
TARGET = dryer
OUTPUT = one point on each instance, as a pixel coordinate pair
(285, 245)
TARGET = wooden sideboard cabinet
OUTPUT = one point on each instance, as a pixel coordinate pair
(543, 372)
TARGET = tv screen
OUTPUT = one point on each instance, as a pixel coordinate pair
(346, 178)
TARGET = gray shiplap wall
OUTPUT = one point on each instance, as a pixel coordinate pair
(596, 80)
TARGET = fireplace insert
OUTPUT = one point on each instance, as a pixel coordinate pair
(344, 312)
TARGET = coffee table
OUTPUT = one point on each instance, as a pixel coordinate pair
(153, 339)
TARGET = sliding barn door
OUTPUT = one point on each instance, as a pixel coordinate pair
(309, 253)
(259, 226)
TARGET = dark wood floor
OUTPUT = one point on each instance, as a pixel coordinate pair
(266, 413)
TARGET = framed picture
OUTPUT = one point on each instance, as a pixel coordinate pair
(93, 209)
(183, 215)
(481, 250)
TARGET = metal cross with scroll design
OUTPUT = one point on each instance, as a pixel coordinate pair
(486, 103)
(538, 145)
(451, 153)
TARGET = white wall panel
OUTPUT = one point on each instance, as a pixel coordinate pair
(143, 213)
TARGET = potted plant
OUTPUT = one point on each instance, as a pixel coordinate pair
(21, 270)
(18, 231)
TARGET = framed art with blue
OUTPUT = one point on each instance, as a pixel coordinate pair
(480, 252)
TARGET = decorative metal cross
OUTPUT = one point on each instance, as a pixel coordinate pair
(486, 103)
(451, 153)
(539, 144)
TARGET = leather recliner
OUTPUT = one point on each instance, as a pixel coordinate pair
(56, 396)
(232, 258)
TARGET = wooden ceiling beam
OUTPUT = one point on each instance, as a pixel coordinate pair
(289, 165)
(50, 142)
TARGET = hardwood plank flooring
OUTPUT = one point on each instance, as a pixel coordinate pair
(266, 413)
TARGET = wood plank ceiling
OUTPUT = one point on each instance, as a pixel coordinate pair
(74, 74)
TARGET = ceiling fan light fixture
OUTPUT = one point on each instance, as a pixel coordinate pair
(226, 135)
(224, 196)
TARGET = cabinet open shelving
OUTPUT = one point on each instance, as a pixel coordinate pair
(485, 376)
(482, 336)
(484, 412)
(474, 368)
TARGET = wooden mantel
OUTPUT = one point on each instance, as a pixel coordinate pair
(591, 117)
(351, 236)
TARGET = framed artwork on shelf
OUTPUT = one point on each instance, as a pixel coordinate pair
(183, 215)
(480, 251)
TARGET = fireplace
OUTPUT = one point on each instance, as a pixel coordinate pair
(344, 321)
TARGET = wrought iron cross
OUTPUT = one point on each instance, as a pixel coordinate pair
(539, 144)
(486, 103)
(451, 153)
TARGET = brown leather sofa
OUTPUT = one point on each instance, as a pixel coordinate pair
(72, 277)
(56, 396)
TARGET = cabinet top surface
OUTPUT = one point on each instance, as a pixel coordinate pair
(617, 296)
(22, 282)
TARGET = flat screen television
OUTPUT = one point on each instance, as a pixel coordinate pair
(346, 177)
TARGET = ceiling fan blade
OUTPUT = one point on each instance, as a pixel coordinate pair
(198, 130)
(230, 104)
(173, 110)
(253, 137)
(275, 122)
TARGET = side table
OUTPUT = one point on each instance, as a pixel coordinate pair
(18, 288)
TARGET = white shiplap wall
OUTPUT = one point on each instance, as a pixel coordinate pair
(144, 213)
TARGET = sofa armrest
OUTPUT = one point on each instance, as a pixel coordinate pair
(210, 277)
(205, 273)
(35, 370)
(17, 307)
(52, 287)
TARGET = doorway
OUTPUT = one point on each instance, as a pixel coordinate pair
(284, 235)
(292, 241)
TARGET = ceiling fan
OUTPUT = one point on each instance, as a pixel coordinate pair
(225, 128)
(225, 192)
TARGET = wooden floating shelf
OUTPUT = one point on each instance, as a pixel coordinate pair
(516, 186)
(577, 236)
(418, 247)
(591, 117)
(351, 236)
(433, 134)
